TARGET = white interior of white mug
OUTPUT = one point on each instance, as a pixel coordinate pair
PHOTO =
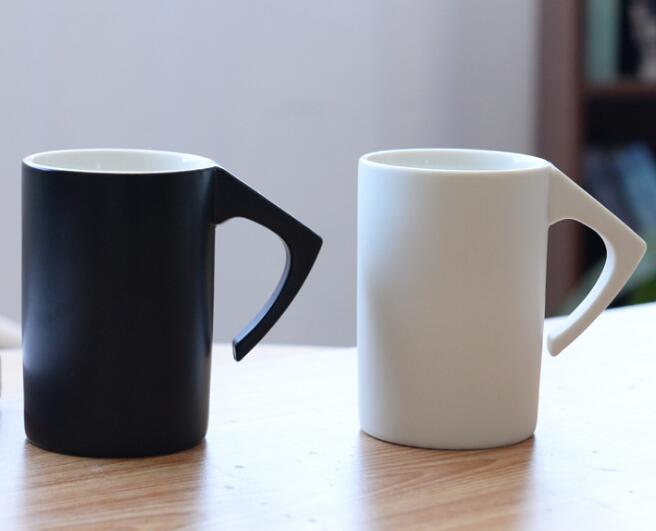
(455, 160)
(117, 161)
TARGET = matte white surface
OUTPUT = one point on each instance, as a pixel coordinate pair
(10, 338)
(10, 333)
(451, 287)
(286, 95)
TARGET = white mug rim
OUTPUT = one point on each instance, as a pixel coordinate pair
(522, 162)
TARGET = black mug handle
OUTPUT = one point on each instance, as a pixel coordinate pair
(233, 198)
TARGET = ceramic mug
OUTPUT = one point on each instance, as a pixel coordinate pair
(118, 269)
(452, 248)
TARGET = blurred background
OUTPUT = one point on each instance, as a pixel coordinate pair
(596, 111)
(288, 94)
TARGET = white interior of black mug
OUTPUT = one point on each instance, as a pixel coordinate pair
(117, 161)
(455, 160)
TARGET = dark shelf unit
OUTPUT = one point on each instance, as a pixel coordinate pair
(572, 114)
(624, 90)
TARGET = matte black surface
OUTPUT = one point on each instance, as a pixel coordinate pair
(117, 304)
(235, 199)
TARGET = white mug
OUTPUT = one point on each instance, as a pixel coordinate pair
(452, 248)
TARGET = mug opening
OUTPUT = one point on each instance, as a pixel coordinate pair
(117, 161)
(454, 160)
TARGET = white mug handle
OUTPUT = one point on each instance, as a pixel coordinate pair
(624, 250)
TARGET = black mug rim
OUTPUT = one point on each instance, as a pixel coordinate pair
(169, 161)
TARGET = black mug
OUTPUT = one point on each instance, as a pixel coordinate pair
(118, 273)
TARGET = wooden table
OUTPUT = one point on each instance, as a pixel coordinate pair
(284, 452)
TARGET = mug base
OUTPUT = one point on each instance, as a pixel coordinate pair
(121, 454)
(450, 445)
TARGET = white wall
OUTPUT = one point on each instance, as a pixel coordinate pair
(286, 94)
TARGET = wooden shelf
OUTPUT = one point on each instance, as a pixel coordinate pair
(628, 90)
(573, 114)
(560, 134)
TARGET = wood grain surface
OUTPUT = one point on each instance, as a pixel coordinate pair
(284, 452)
